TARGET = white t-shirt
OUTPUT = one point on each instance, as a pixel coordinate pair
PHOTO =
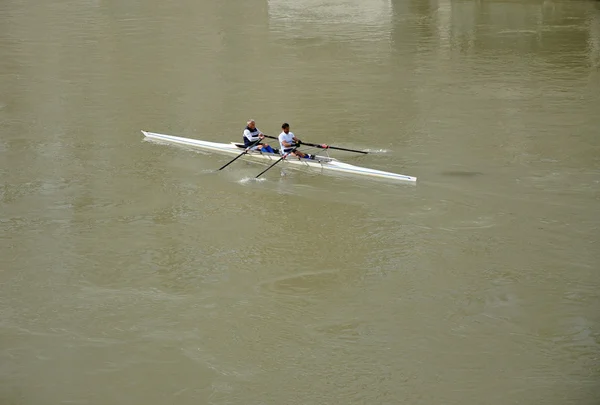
(289, 138)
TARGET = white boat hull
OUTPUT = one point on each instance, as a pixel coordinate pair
(320, 162)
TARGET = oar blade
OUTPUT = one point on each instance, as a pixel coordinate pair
(347, 150)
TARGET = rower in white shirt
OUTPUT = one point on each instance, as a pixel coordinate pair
(288, 141)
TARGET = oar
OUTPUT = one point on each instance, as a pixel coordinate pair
(333, 147)
(328, 147)
(241, 154)
(278, 160)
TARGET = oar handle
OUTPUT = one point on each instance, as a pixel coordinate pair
(320, 146)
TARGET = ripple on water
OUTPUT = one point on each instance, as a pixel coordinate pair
(376, 151)
(481, 222)
(342, 332)
(304, 284)
(247, 180)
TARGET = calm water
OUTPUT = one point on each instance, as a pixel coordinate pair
(134, 273)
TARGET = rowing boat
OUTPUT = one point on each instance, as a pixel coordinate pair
(319, 162)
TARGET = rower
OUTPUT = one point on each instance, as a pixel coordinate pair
(252, 135)
(289, 143)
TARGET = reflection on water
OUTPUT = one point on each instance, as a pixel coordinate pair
(553, 30)
(338, 15)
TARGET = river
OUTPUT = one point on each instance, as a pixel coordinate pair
(135, 273)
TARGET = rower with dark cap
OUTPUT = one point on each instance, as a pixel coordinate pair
(289, 143)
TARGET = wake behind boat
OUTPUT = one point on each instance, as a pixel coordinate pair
(319, 162)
